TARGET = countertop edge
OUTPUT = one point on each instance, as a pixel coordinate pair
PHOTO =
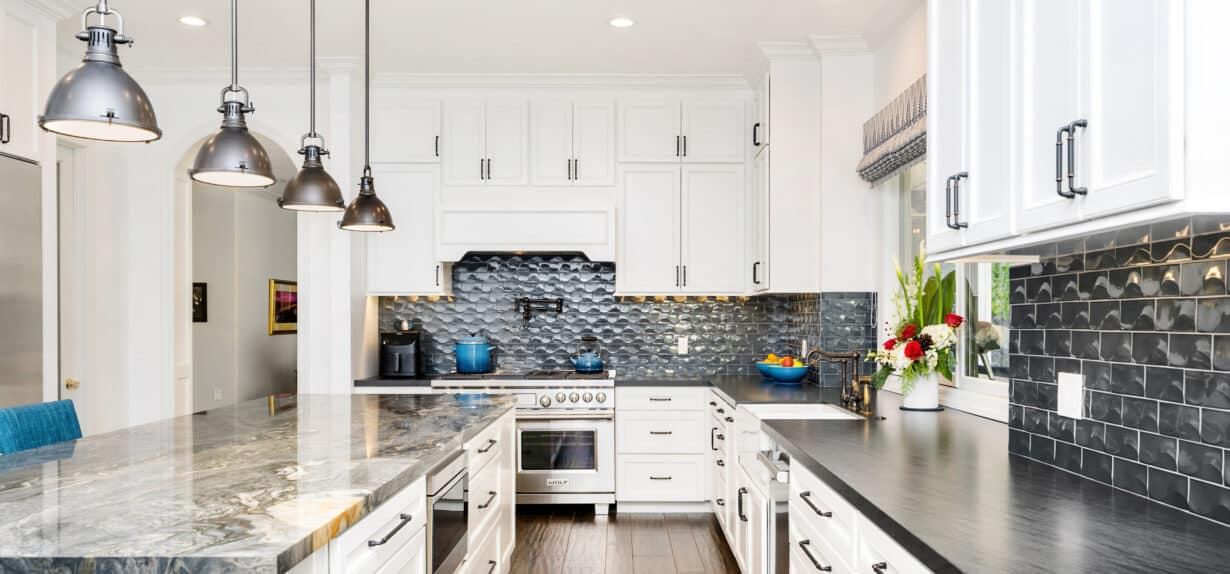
(900, 534)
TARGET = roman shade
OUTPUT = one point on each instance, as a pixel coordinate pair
(896, 135)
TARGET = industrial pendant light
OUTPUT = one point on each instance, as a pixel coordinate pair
(98, 100)
(232, 157)
(312, 189)
(367, 212)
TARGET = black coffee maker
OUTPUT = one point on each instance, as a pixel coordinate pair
(401, 355)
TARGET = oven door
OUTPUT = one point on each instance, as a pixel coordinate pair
(565, 456)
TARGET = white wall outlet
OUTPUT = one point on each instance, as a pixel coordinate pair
(217, 394)
(1072, 395)
(682, 345)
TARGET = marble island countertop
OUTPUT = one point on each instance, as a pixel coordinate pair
(234, 489)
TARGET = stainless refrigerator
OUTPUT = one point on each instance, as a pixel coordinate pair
(21, 283)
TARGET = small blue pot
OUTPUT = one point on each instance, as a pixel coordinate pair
(473, 355)
(587, 363)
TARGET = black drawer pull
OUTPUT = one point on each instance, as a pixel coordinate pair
(805, 544)
(712, 403)
(661, 432)
(493, 564)
(6, 129)
(721, 502)
(806, 496)
(721, 462)
(1072, 157)
(660, 399)
(490, 499)
(490, 445)
(742, 491)
(721, 411)
(712, 439)
(879, 567)
(405, 519)
(659, 478)
(730, 419)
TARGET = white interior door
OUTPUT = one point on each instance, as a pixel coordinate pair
(403, 261)
(649, 130)
(713, 130)
(713, 229)
(1049, 44)
(1130, 87)
(648, 257)
(987, 195)
(463, 142)
(408, 130)
(946, 113)
(507, 141)
(593, 141)
(551, 142)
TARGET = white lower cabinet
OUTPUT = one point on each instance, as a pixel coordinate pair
(384, 537)
(660, 478)
(660, 444)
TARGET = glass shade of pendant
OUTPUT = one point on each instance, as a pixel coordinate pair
(233, 157)
(367, 212)
(312, 189)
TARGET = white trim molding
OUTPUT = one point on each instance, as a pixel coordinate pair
(787, 50)
(987, 400)
(843, 44)
(608, 81)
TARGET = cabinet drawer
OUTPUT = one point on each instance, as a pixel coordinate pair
(719, 408)
(485, 557)
(350, 552)
(484, 501)
(813, 556)
(717, 498)
(487, 446)
(660, 478)
(879, 553)
(821, 513)
(660, 432)
(660, 398)
(411, 558)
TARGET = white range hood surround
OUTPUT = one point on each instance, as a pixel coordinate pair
(588, 230)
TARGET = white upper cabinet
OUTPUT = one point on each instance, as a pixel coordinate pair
(649, 130)
(713, 229)
(983, 208)
(573, 142)
(713, 130)
(946, 105)
(758, 223)
(20, 101)
(408, 130)
(649, 234)
(403, 261)
(761, 108)
(484, 141)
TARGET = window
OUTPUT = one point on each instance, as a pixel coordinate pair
(984, 346)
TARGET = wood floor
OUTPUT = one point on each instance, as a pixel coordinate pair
(571, 540)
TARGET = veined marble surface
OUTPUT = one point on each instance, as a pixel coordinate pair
(234, 489)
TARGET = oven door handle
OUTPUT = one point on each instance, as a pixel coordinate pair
(569, 416)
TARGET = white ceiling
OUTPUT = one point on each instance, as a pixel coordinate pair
(492, 36)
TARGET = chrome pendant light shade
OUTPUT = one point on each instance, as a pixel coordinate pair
(233, 157)
(312, 189)
(98, 100)
(367, 212)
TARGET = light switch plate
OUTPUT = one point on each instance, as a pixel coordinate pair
(683, 345)
(1071, 395)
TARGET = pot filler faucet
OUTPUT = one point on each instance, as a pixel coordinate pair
(527, 307)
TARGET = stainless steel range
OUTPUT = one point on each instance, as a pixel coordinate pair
(565, 433)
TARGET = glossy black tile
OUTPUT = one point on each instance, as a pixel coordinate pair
(1147, 348)
(1159, 280)
(1042, 448)
(1117, 347)
(1018, 272)
(1098, 260)
(1133, 255)
(1203, 278)
(1122, 442)
(1105, 407)
(1018, 442)
(1096, 466)
(1168, 488)
(1137, 314)
(1211, 245)
(1015, 414)
(1074, 316)
(1201, 461)
(1164, 384)
(1090, 434)
(1171, 251)
(1024, 392)
(1190, 351)
(1127, 379)
(1087, 344)
(1066, 288)
(1215, 427)
(1104, 316)
(1017, 291)
(1065, 365)
(1023, 317)
(1067, 263)
(1131, 476)
(1038, 289)
(1068, 457)
(1140, 413)
(1097, 375)
(1042, 369)
(1058, 343)
(1095, 285)
(1221, 352)
(1213, 315)
(1050, 316)
(1157, 450)
(1207, 389)
(1179, 421)
(1127, 282)
(1034, 420)
(1018, 366)
(1032, 342)
(1209, 500)
(1061, 428)
(1176, 315)
(1048, 396)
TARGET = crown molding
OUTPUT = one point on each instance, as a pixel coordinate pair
(847, 44)
(787, 50)
(617, 81)
(339, 64)
(58, 9)
(220, 75)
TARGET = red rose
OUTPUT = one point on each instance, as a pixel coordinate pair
(913, 351)
(953, 320)
(908, 331)
(890, 344)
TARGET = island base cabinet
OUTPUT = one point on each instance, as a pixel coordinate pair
(386, 538)
(489, 556)
(879, 553)
(810, 556)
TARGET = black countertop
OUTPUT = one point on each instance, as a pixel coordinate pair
(393, 382)
(944, 486)
(742, 389)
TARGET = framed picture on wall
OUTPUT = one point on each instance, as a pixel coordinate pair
(200, 303)
(283, 307)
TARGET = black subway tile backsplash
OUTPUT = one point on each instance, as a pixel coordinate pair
(1147, 325)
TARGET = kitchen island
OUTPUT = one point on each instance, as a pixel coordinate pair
(244, 488)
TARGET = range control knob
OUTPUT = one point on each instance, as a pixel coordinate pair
(601, 397)
(560, 397)
(544, 400)
(574, 397)
(587, 397)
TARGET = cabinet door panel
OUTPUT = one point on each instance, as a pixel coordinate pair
(987, 195)
(946, 106)
(713, 224)
(408, 129)
(593, 142)
(1129, 89)
(403, 261)
(757, 264)
(648, 256)
(1049, 71)
(507, 131)
(463, 141)
(649, 130)
(19, 39)
(551, 138)
(714, 130)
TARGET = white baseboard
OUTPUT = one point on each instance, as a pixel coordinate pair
(661, 507)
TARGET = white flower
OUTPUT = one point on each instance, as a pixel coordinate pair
(942, 336)
(932, 357)
(899, 361)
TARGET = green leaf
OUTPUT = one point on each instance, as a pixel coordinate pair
(880, 377)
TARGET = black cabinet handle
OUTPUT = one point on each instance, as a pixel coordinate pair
(437, 275)
(576, 169)
(568, 167)
(730, 419)
(490, 499)
(713, 439)
(743, 517)
(677, 140)
(806, 496)
(948, 202)
(493, 564)
(879, 567)
(755, 277)
(721, 411)
(713, 403)
(660, 399)
(956, 200)
(720, 502)
(685, 267)
(756, 134)
(1059, 162)
(1072, 157)
(437, 146)
(661, 433)
(676, 275)
(805, 545)
(6, 128)
(482, 174)
(659, 478)
(490, 445)
(488, 169)
(685, 154)
(405, 519)
(721, 462)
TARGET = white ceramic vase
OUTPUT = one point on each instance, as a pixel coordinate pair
(925, 395)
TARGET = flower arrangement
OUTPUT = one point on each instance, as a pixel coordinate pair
(923, 336)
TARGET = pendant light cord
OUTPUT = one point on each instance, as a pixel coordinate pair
(312, 71)
(235, 45)
(367, 87)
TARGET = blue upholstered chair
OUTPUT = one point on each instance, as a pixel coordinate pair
(40, 424)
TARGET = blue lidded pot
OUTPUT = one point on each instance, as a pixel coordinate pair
(473, 354)
(587, 363)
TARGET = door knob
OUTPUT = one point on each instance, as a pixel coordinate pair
(72, 384)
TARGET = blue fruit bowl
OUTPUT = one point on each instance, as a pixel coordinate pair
(764, 368)
(784, 375)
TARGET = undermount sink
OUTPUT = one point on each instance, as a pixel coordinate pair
(799, 411)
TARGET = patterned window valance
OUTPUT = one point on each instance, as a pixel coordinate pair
(896, 135)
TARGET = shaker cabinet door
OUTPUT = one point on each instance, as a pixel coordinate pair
(507, 141)
(713, 130)
(408, 130)
(946, 107)
(402, 261)
(713, 223)
(551, 142)
(593, 142)
(988, 193)
(649, 130)
(648, 257)
(463, 142)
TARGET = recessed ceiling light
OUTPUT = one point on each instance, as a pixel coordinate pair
(622, 22)
(193, 21)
